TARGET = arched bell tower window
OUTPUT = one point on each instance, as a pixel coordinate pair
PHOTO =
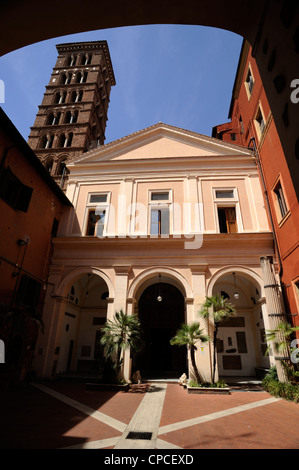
(49, 164)
(61, 167)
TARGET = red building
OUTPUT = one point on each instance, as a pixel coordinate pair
(31, 205)
(252, 125)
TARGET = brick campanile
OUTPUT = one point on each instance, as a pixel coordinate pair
(73, 115)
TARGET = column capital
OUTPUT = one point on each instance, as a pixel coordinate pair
(198, 268)
(122, 269)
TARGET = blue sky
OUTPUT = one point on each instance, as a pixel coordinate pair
(179, 75)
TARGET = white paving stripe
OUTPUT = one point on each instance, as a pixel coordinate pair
(213, 416)
(146, 419)
(114, 423)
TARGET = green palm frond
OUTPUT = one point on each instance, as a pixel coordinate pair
(281, 336)
(217, 306)
(189, 335)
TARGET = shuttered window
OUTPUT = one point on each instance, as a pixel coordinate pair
(13, 191)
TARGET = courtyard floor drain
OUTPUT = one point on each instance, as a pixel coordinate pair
(139, 435)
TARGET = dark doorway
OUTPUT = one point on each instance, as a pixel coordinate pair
(160, 321)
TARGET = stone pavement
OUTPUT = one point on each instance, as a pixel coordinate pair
(66, 415)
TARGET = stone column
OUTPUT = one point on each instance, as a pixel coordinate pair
(120, 303)
(275, 309)
(127, 355)
(203, 356)
(46, 344)
(121, 286)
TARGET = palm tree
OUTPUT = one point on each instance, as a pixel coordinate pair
(281, 336)
(189, 335)
(220, 309)
(120, 334)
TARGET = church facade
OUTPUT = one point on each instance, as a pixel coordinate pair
(160, 219)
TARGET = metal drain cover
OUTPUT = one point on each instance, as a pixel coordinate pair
(139, 435)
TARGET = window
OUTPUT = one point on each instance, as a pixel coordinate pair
(160, 196)
(49, 164)
(28, 292)
(224, 193)
(96, 222)
(81, 77)
(60, 97)
(79, 96)
(159, 212)
(160, 221)
(47, 141)
(66, 78)
(249, 82)
(227, 219)
(259, 123)
(86, 59)
(97, 210)
(72, 60)
(98, 198)
(53, 119)
(281, 205)
(13, 191)
(226, 210)
(65, 141)
(241, 125)
(71, 117)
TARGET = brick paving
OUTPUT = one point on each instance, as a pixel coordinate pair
(33, 419)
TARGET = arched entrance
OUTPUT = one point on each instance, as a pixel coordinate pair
(85, 314)
(241, 344)
(161, 310)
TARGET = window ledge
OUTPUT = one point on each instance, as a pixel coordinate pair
(282, 221)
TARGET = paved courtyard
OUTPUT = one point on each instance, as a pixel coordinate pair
(63, 415)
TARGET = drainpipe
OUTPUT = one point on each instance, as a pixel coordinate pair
(273, 301)
(280, 272)
(268, 207)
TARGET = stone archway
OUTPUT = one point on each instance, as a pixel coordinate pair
(241, 344)
(161, 311)
(84, 312)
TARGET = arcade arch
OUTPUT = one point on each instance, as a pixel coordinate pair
(241, 344)
(161, 308)
(83, 314)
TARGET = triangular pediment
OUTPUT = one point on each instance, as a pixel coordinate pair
(160, 141)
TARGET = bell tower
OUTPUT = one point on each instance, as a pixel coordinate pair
(72, 117)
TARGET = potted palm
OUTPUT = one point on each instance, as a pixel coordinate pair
(219, 309)
(188, 335)
(118, 335)
(281, 339)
